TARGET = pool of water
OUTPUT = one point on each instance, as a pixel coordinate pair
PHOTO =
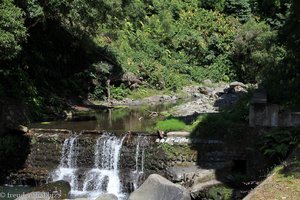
(13, 192)
(118, 119)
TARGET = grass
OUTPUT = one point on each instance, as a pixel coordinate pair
(174, 124)
(144, 92)
(170, 125)
(284, 181)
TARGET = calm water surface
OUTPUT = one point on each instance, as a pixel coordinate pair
(118, 119)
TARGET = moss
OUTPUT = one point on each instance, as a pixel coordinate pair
(175, 152)
(220, 192)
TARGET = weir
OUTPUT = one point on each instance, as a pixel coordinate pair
(98, 162)
(103, 176)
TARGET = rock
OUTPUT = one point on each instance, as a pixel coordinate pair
(131, 80)
(204, 90)
(19, 128)
(207, 82)
(157, 187)
(58, 189)
(107, 197)
(192, 174)
(238, 87)
(236, 83)
(199, 191)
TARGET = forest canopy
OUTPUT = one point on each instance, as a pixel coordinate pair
(57, 49)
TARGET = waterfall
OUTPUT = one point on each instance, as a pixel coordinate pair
(67, 168)
(102, 178)
(139, 162)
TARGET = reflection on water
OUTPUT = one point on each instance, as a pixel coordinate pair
(123, 119)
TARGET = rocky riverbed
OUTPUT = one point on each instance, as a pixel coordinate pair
(206, 98)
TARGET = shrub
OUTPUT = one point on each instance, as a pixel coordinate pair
(118, 92)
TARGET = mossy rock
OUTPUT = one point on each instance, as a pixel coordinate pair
(57, 189)
(220, 192)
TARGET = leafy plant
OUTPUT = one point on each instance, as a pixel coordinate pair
(119, 92)
(278, 143)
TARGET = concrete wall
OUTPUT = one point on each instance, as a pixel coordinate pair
(261, 113)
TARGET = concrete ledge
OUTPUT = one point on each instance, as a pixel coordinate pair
(178, 134)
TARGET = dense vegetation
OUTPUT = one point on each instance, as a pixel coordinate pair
(57, 50)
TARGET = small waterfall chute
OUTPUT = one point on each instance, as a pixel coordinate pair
(139, 161)
(67, 168)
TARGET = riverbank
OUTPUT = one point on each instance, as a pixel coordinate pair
(283, 181)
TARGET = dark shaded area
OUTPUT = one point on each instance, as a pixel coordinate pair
(55, 68)
(232, 148)
(14, 149)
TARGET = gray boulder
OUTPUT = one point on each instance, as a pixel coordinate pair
(157, 187)
(107, 197)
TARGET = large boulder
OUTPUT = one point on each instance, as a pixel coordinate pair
(57, 190)
(157, 187)
(107, 197)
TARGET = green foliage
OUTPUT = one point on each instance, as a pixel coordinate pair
(99, 92)
(119, 92)
(213, 4)
(284, 79)
(12, 30)
(255, 51)
(274, 12)
(238, 8)
(278, 143)
(220, 192)
(174, 45)
(72, 44)
(170, 125)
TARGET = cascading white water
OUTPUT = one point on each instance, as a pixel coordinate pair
(67, 167)
(102, 178)
(139, 162)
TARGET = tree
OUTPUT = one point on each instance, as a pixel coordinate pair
(238, 8)
(255, 51)
(12, 30)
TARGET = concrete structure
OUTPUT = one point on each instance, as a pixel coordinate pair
(262, 113)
